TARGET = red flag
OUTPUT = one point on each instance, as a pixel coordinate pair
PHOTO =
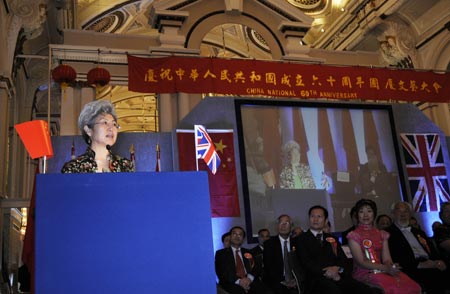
(351, 151)
(222, 185)
(326, 146)
(36, 138)
(271, 136)
(28, 242)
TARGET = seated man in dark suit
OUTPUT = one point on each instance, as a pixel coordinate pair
(415, 254)
(442, 232)
(263, 236)
(257, 251)
(320, 254)
(277, 270)
(236, 269)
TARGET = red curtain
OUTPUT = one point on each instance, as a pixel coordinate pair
(326, 147)
(350, 143)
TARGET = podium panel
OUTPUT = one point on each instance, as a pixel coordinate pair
(124, 233)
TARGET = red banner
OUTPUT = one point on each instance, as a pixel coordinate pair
(278, 79)
(223, 185)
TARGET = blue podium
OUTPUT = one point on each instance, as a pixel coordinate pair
(124, 233)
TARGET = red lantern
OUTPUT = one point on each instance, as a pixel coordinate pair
(64, 74)
(98, 77)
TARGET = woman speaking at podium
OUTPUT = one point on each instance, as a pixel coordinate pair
(99, 128)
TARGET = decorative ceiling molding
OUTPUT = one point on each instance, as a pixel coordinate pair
(309, 6)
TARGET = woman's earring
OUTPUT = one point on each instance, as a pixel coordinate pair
(89, 141)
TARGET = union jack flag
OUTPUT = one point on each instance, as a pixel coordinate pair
(204, 148)
(426, 171)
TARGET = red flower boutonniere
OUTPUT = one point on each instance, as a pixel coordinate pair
(248, 256)
(333, 243)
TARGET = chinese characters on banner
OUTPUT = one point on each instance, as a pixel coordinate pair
(222, 185)
(426, 171)
(253, 77)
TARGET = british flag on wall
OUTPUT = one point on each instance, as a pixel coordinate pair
(426, 171)
(204, 148)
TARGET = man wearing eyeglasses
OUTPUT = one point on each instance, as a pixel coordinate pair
(277, 269)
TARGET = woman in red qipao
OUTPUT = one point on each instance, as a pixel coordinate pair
(372, 261)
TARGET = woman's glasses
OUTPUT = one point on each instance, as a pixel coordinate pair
(106, 124)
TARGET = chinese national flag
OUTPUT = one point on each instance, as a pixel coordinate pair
(222, 185)
(36, 138)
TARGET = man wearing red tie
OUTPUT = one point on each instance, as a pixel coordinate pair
(236, 269)
(411, 249)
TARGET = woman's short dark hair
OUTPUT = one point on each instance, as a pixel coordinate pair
(366, 202)
(90, 112)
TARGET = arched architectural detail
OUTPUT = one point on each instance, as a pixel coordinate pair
(441, 49)
(277, 22)
(14, 27)
(200, 29)
(32, 15)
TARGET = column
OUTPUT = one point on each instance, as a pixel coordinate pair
(441, 117)
(71, 103)
(294, 48)
(166, 114)
(4, 122)
(183, 105)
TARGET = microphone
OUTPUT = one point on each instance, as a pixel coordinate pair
(109, 169)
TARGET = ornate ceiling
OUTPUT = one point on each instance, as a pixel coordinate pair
(358, 25)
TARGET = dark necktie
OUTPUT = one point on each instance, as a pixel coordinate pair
(287, 268)
(319, 238)
(240, 271)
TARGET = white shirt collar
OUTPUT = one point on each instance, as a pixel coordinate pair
(282, 240)
(314, 232)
